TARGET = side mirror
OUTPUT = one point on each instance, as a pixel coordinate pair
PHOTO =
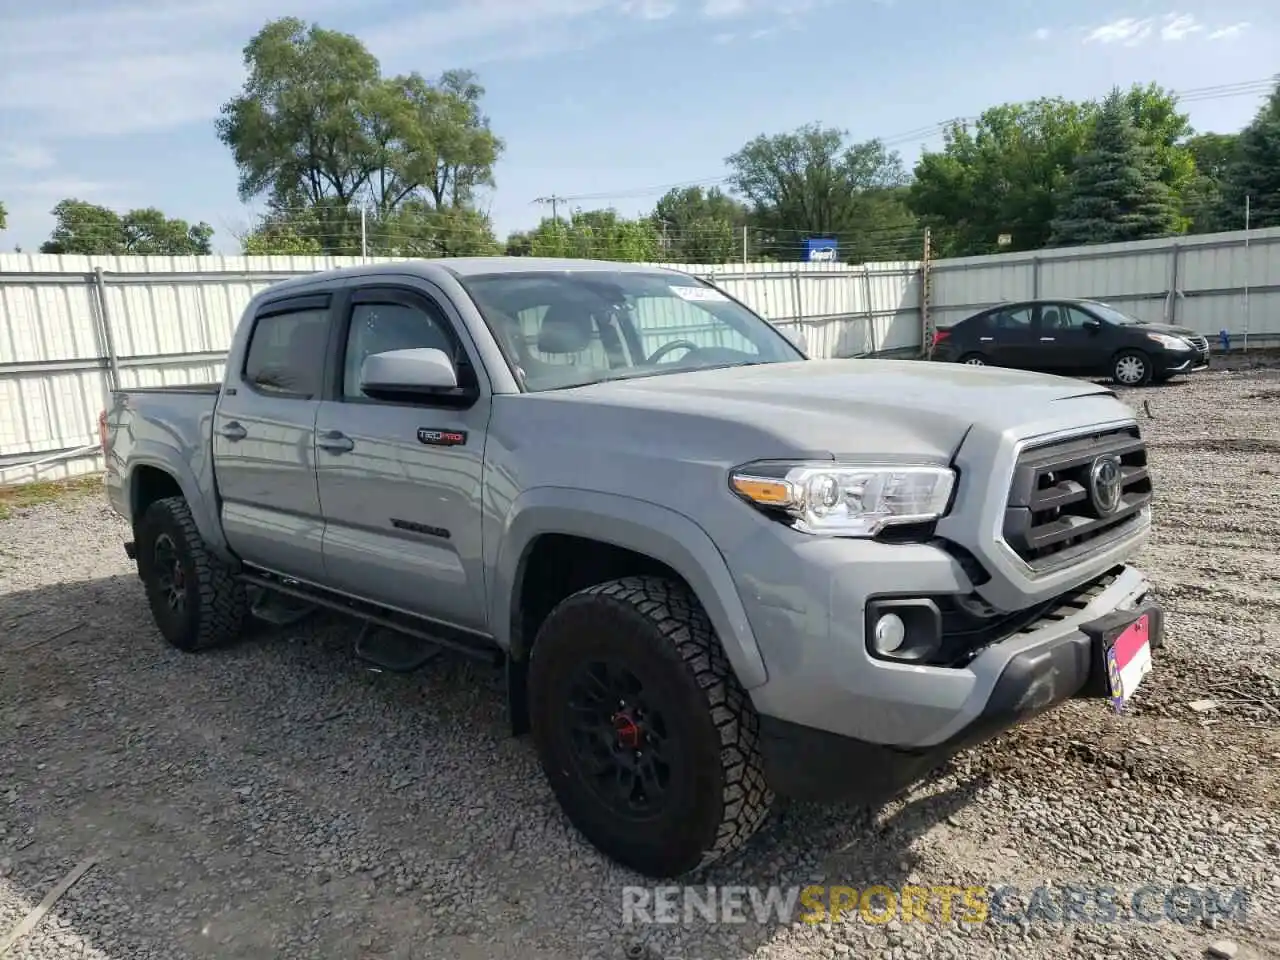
(1092, 325)
(423, 370)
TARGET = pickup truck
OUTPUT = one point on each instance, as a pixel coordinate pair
(717, 573)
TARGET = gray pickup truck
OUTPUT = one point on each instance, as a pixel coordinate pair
(716, 572)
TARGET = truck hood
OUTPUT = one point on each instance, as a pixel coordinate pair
(890, 408)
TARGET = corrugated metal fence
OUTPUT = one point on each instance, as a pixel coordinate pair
(71, 326)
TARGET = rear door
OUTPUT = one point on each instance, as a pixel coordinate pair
(400, 481)
(264, 439)
(1012, 343)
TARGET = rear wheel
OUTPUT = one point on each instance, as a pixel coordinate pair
(195, 600)
(974, 360)
(645, 735)
(1131, 368)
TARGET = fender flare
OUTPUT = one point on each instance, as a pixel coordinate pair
(203, 509)
(647, 528)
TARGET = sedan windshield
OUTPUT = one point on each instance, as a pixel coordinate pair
(1112, 315)
(570, 328)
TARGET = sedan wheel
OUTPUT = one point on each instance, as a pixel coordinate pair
(1131, 369)
(974, 360)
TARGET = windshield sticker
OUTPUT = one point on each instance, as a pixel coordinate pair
(699, 294)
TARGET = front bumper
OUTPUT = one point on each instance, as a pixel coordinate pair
(805, 763)
(1168, 363)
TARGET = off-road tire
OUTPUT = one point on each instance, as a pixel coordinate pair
(1131, 355)
(657, 629)
(216, 606)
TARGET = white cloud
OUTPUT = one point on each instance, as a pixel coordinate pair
(1043, 33)
(27, 158)
(126, 66)
(724, 9)
(1229, 32)
(1126, 30)
(720, 39)
(1178, 26)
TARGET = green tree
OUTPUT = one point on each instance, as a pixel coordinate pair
(1115, 193)
(1254, 172)
(3, 219)
(593, 234)
(699, 226)
(419, 229)
(1202, 198)
(999, 176)
(87, 228)
(808, 183)
(1006, 173)
(317, 127)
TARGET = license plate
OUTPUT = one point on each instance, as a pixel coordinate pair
(1129, 660)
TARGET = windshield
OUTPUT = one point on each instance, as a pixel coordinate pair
(570, 328)
(1112, 315)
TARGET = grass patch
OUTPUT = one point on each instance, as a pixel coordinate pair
(18, 496)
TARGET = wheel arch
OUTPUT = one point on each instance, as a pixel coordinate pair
(629, 535)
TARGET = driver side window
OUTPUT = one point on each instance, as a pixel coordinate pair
(379, 327)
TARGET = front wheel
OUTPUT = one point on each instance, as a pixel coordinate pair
(1131, 368)
(195, 600)
(648, 741)
(974, 360)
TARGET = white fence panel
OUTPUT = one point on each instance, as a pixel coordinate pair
(172, 318)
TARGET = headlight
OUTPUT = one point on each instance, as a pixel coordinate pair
(1168, 342)
(846, 499)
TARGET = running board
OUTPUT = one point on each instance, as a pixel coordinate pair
(391, 657)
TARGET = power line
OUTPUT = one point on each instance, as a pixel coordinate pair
(1220, 91)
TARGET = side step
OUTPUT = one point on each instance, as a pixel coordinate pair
(280, 610)
(391, 647)
(392, 650)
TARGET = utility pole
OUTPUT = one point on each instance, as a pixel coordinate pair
(926, 316)
(555, 202)
(1246, 273)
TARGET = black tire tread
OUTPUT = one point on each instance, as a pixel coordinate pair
(677, 616)
(222, 605)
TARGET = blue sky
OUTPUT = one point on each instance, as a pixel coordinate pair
(113, 101)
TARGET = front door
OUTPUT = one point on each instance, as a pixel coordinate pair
(1080, 343)
(263, 440)
(400, 481)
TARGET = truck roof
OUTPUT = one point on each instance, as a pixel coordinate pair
(465, 267)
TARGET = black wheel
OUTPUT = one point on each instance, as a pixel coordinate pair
(974, 360)
(195, 601)
(1131, 368)
(645, 735)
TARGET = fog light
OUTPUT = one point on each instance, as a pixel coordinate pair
(903, 629)
(890, 633)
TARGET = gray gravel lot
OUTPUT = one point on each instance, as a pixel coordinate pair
(279, 799)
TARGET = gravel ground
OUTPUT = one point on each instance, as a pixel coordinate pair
(281, 800)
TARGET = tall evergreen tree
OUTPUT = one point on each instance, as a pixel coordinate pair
(1255, 172)
(1115, 193)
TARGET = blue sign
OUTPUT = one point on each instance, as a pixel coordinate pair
(820, 250)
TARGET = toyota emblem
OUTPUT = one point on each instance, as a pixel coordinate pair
(1104, 485)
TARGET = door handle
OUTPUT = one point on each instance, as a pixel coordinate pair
(1043, 339)
(234, 431)
(986, 339)
(335, 442)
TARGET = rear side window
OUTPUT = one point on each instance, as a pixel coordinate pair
(286, 354)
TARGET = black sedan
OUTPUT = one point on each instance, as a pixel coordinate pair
(1080, 338)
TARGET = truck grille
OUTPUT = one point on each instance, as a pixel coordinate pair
(1072, 497)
